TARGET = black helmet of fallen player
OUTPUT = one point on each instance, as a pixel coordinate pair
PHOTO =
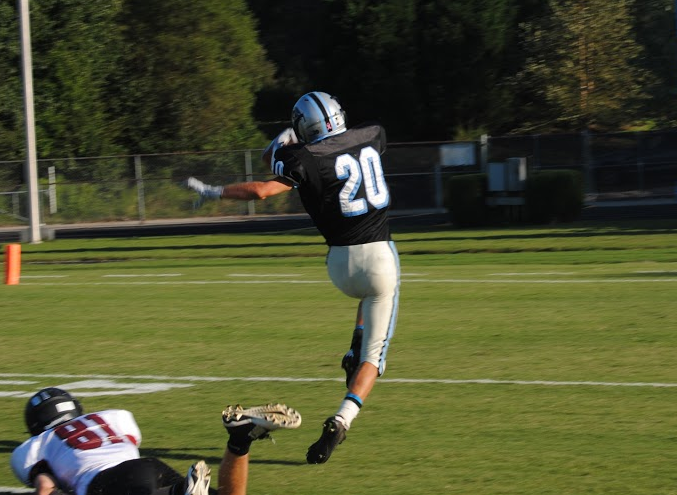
(50, 407)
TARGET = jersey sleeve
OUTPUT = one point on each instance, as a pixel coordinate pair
(375, 133)
(123, 422)
(288, 164)
(24, 457)
(382, 140)
(285, 138)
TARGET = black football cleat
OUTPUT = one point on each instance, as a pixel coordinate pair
(333, 434)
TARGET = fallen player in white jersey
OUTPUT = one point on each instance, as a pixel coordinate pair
(73, 452)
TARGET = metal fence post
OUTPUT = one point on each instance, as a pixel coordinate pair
(251, 205)
(16, 205)
(484, 152)
(588, 166)
(536, 163)
(51, 172)
(141, 200)
(439, 193)
(640, 163)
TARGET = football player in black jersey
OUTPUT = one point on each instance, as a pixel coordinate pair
(339, 176)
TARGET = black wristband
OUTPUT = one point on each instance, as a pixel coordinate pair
(239, 448)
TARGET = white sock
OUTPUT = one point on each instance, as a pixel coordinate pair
(347, 412)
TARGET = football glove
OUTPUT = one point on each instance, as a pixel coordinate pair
(204, 190)
(285, 138)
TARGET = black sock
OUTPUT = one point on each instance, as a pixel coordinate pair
(239, 446)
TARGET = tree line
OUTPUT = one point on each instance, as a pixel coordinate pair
(149, 76)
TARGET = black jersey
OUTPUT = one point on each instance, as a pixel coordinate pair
(341, 184)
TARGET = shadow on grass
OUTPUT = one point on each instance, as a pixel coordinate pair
(190, 456)
(7, 446)
(573, 230)
(123, 249)
(541, 232)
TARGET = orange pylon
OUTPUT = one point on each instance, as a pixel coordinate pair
(12, 264)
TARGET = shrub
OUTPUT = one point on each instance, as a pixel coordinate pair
(554, 195)
(466, 199)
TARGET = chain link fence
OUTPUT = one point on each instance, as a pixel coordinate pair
(635, 165)
(616, 166)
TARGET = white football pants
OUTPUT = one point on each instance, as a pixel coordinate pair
(371, 273)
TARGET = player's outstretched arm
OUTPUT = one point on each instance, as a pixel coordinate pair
(245, 191)
(257, 189)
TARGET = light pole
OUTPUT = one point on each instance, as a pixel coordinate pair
(31, 167)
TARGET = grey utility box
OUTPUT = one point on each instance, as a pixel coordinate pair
(508, 176)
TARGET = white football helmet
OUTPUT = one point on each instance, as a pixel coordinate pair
(316, 116)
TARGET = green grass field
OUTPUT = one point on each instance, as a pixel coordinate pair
(526, 361)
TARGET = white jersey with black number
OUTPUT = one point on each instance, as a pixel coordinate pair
(78, 450)
(341, 183)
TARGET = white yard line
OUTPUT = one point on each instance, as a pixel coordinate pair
(186, 282)
(408, 281)
(543, 281)
(518, 274)
(131, 275)
(479, 381)
(43, 276)
(271, 275)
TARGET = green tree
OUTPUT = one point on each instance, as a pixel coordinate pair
(73, 51)
(11, 109)
(190, 75)
(427, 70)
(293, 33)
(463, 56)
(655, 20)
(371, 62)
(582, 67)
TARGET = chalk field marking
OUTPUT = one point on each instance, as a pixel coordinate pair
(264, 275)
(543, 281)
(518, 274)
(8, 489)
(281, 275)
(285, 279)
(187, 282)
(167, 382)
(236, 275)
(43, 276)
(93, 386)
(132, 275)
